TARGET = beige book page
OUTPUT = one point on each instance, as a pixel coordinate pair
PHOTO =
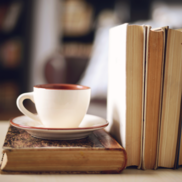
(171, 99)
(153, 96)
(125, 89)
(134, 93)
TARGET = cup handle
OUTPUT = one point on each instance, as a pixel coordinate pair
(19, 103)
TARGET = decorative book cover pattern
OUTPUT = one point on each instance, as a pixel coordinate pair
(18, 138)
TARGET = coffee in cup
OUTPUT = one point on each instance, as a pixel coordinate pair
(57, 105)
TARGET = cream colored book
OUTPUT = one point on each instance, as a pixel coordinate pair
(171, 100)
(126, 88)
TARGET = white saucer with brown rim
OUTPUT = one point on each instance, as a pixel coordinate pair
(89, 124)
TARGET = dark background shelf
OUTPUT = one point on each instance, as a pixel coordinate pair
(15, 80)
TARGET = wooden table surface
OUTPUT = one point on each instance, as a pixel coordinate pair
(160, 175)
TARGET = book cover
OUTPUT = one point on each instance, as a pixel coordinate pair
(126, 88)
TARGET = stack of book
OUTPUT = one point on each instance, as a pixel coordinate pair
(144, 94)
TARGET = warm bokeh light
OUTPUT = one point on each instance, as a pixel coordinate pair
(66, 41)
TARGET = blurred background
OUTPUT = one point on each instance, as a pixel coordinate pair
(66, 41)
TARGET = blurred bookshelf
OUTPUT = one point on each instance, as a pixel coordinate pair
(15, 21)
(77, 36)
(78, 26)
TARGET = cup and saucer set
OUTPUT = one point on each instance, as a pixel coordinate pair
(61, 112)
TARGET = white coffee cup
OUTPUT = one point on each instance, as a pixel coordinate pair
(57, 105)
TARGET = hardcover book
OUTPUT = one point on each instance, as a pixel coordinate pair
(98, 153)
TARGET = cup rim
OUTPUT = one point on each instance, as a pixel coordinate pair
(61, 86)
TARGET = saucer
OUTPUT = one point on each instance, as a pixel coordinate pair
(89, 124)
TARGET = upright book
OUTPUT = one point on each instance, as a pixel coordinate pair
(98, 153)
(155, 54)
(171, 100)
(126, 88)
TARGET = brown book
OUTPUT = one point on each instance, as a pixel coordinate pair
(171, 100)
(98, 153)
(155, 47)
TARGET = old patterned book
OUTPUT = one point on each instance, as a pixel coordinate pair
(98, 153)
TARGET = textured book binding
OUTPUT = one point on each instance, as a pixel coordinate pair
(97, 153)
